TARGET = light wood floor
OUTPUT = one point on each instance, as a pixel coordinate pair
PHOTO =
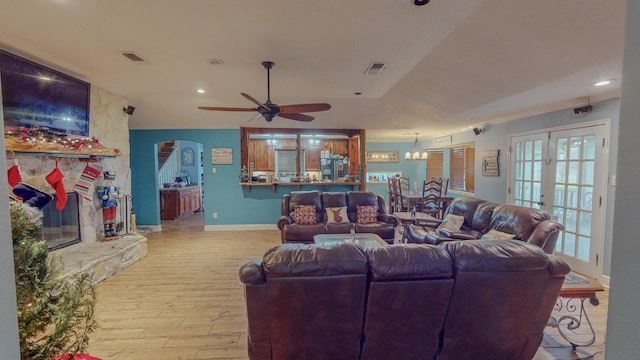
(184, 299)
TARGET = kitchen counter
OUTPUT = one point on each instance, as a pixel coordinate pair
(354, 185)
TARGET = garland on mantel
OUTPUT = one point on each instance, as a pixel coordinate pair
(42, 136)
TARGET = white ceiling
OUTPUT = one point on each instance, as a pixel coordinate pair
(452, 64)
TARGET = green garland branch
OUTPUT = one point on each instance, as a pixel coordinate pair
(55, 314)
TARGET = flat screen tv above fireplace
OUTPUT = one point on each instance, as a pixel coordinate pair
(35, 96)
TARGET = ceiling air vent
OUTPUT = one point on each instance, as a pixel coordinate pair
(132, 56)
(375, 68)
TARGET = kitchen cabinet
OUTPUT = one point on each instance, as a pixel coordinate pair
(336, 147)
(312, 161)
(178, 202)
(261, 155)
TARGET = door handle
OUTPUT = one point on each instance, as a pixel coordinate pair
(541, 203)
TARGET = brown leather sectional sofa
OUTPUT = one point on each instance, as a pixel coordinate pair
(384, 226)
(486, 299)
(533, 226)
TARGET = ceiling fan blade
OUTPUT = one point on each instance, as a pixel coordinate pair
(298, 117)
(248, 97)
(298, 108)
(218, 108)
(255, 117)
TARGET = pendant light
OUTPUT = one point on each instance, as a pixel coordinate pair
(415, 153)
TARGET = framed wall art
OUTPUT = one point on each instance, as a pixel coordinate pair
(383, 156)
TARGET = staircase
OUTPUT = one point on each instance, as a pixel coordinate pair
(164, 151)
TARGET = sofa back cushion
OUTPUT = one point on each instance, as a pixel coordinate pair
(499, 286)
(482, 216)
(315, 299)
(465, 207)
(517, 220)
(362, 198)
(296, 198)
(407, 302)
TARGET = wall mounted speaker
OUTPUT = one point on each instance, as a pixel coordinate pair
(583, 110)
(129, 110)
(477, 131)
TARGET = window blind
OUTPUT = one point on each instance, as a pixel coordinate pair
(461, 168)
(435, 164)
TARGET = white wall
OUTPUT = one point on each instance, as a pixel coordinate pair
(623, 323)
(498, 136)
(9, 343)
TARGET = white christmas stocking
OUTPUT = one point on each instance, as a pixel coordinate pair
(86, 184)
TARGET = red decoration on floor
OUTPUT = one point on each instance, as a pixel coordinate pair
(75, 357)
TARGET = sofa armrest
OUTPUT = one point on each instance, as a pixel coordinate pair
(284, 220)
(458, 235)
(252, 273)
(545, 235)
(557, 266)
(427, 222)
(389, 219)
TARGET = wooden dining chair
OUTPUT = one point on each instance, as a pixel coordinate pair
(445, 186)
(431, 193)
(403, 186)
(392, 193)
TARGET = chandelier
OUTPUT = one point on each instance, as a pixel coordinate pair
(415, 153)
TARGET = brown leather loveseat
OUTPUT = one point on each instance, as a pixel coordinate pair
(488, 299)
(533, 226)
(381, 223)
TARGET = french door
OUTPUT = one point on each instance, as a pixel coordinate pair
(564, 172)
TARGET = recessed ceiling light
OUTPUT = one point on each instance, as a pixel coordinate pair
(216, 62)
(200, 91)
(357, 93)
(603, 83)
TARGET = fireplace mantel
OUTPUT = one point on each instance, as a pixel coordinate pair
(55, 149)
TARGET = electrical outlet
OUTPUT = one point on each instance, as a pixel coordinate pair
(215, 215)
(213, 170)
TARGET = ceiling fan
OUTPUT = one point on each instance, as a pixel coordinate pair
(269, 110)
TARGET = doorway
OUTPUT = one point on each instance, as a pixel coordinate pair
(564, 172)
(180, 179)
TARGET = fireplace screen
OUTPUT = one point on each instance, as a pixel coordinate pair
(61, 228)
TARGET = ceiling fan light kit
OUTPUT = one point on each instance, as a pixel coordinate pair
(415, 153)
(269, 110)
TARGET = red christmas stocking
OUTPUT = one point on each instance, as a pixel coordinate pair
(13, 174)
(55, 180)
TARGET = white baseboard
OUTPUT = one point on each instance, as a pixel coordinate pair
(154, 228)
(605, 280)
(242, 227)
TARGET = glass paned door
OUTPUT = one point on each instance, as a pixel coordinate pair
(563, 172)
(578, 190)
(528, 157)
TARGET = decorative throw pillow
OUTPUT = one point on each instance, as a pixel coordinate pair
(305, 214)
(497, 235)
(337, 215)
(366, 214)
(451, 222)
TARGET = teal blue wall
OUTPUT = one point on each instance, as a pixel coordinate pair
(416, 170)
(234, 204)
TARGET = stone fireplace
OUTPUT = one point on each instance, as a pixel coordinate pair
(81, 219)
(61, 228)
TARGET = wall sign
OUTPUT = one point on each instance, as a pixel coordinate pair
(444, 140)
(490, 164)
(223, 156)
